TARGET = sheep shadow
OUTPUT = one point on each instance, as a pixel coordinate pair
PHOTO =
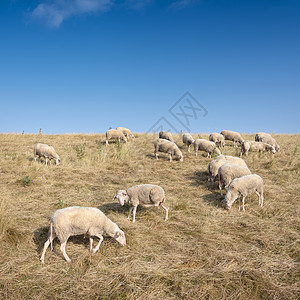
(199, 178)
(117, 208)
(40, 236)
(214, 199)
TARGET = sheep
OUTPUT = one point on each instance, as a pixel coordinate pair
(116, 134)
(228, 172)
(215, 164)
(166, 135)
(242, 187)
(188, 140)
(217, 138)
(232, 136)
(205, 145)
(268, 139)
(144, 194)
(162, 145)
(128, 134)
(256, 147)
(260, 135)
(77, 220)
(46, 151)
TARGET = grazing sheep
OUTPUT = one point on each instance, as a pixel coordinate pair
(115, 134)
(218, 139)
(232, 136)
(48, 152)
(205, 145)
(162, 145)
(166, 135)
(256, 147)
(259, 135)
(188, 140)
(128, 134)
(214, 165)
(77, 220)
(228, 172)
(144, 194)
(268, 140)
(242, 187)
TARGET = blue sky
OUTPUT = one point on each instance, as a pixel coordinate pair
(86, 65)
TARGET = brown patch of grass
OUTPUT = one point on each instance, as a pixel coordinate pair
(202, 252)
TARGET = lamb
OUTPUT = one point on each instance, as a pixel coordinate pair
(115, 134)
(166, 135)
(205, 145)
(256, 147)
(268, 139)
(214, 165)
(162, 145)
(188, 140)
(232, 136)
(46, 151)
(217, 138)
(228, 172)
(145, 194)
(128, 134)
(242, 187)
(77, 220)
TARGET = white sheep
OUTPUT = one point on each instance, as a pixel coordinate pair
(115, 134)
(46, 151)
(128, 134)
(228, 172)
(246, 146)
(214, 165)
(166, 135)
(205, 145)
(77, 220)
(145, 195)
(218, 139)
(166, 146)
(259, 135)
(232, 136)
(188, 140)
(268, 139)
(242, 187)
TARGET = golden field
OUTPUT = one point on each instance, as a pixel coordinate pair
(201, 252)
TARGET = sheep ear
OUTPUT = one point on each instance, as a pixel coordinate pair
(114, 197)
(227, 189)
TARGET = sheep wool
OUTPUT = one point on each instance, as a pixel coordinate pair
(242, 187)
(47, 152)
(78, 220)
(145, 195)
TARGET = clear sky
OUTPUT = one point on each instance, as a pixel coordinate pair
(86, 65)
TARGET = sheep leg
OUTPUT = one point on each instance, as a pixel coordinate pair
(220, 187)
(100, 241)
(134, 212)
(46, 160)
(91, 243)
(166, 209)
(196, 153)
(130, 210)
(156, 156)
(52, 236)
(239, 204)
(106, 142)
(260, 198)
(243, 204)
(170, 157)
(189, 148)
(63, 250)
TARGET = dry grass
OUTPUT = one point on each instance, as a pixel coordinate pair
(202, 252)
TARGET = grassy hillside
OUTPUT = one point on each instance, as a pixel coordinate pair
(201, 252)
